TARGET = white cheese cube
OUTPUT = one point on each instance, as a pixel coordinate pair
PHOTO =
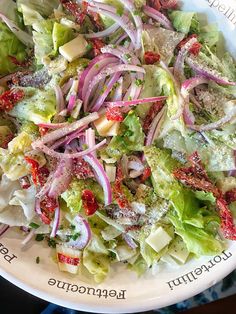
(103, 125)
(74, 49)
(178, 250)
(111, 172)
(158, 239)
(113, 131)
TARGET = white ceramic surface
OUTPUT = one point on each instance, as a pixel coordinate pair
(123, 292)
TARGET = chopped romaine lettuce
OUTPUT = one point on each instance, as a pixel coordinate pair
(130, 138)
(61, 35)
(181, 20)
(43, 7)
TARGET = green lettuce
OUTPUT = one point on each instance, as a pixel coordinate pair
(37, 106)
(182, 21)
(9, 8)
(10, 46)
(61, 34)
(43, 7)
(73, 195)
(130, 138)
(188, 215)
(30, 16)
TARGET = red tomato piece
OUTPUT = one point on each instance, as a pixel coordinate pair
(81, 169)
(146, 174)
(154, 110)
(68, 259)
(97, 44)
(89, 202)
(151, 57)
(10, 98)
(114, 114)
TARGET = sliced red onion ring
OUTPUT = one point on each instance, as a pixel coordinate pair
(212, 126)
(129, 241)
(71, 104)
(83, 228)
(208, 73)
(119, 90)
(59, 99)
(57, 134)
(119, 40)
(99, 102)
(48, 151)
(24, 37)
(28, 237)
(109, 71)
(67, 86)
(137, 20)
(107, 32)
(56, 222)
(128, 27)
(124, 54)
(134, 102)
(61, 179)
(101, 176)
(179, 63)
(158, 16)
(155, 127)
(3, 229)
(90, 140)
(52, 126)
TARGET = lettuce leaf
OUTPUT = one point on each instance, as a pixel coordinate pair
(182, 20)
(130, 138)
(43, 7)
(30, 16)
(72, 196)
(61, 34)
(7, 189)
(10, 46)
(9, 8)
(37, 106)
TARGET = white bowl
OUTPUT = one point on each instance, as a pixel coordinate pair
(123, 292)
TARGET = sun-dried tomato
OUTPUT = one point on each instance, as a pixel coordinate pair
(230, 196)
(96, 20)
(169, 4)
(45, 219)
(118, 193)
(89, 202)
(74, 261)
(25, 183)
(6, 140)
(43, 131)
(227, 221)
(146, 174)
(155, 4)
(197, 166)
(78, 12)
(154, 110)
(48, 204)
(114, 114)
(22, 64)
(151, 57)
(81, 169)
(10, 98)
(39, 175)
(133, 228)
(97, 44)
(194, 49)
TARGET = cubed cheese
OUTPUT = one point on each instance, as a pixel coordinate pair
(158, 239)
(113, 131)
(111, 172)
(74, 49)
(103, 125)
(178, 250)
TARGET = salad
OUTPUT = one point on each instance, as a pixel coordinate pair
(117, 133)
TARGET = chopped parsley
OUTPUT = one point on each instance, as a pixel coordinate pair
(52, 243)
(139, 82)
(37, 260)
(34, 225)
(39, 237)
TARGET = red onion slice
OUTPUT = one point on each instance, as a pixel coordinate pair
(24, 37)
(179, 63)
(82, 227)
(67, 86)
(107, 32)
(59, 99)
(129, 241)
(109, 71)
(90, 140)
(208, 73)
(48, 151)
(119, 90)
(124, 54)
(137, 20)
(52, 126)
(71, 104)
(28, 237)
(3, 229)
(101, 177)
(119, 40)
(61, 179)
(56, 222)
(158, 16)
(155, 127)
(57, 134)
(99, 102)
(95, 66)
(128, 27)
(128, 103)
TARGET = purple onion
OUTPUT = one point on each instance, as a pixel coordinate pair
(155, 127)
(107, 32)
(129, 241)
(56, 222)
(158, 16)
(83, 228)
(122, 103)
(3, 229)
